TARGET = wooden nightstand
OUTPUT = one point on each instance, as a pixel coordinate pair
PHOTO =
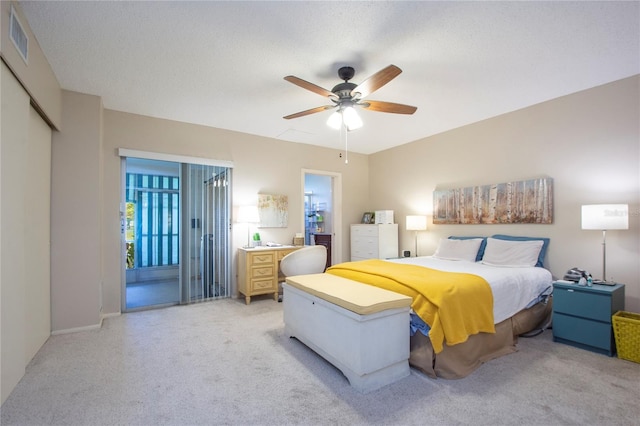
(582, 315)
(259, 270)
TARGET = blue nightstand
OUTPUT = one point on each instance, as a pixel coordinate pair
(582, 315)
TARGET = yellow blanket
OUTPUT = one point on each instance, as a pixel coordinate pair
(455, 305)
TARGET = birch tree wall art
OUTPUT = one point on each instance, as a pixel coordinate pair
(527, 201)
(273, 211)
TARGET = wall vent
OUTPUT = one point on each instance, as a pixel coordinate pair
(19, 36)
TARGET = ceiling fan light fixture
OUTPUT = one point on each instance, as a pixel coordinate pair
(351, 118)
(335, 120)
(347, 117)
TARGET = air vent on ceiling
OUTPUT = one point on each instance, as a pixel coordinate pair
(18, 36)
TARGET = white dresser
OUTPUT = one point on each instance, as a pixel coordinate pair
(374, 241)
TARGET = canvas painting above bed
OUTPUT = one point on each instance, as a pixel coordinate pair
(527, 201)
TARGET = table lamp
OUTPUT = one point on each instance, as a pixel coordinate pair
(416, 223)
(248, 215)
(603, 217)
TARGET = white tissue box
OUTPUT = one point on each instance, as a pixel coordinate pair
(384, 216)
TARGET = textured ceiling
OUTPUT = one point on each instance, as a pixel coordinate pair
(222, 64)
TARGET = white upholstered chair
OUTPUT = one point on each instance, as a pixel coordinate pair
(307, 260)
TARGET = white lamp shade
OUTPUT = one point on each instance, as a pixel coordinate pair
(335, 120)
(248, 214)
(351, 118)
(416, 223)
(604, 217)
(347, 116)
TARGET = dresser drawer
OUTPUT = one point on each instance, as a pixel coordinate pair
(583, 331)
(262, 272)
(261, 284)
(374, 241)
(364, 254)
(367, 252)
(582, 304)
(282, 253)
(261, 258)
(364, 231)
(364, 242)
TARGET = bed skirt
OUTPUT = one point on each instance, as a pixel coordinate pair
(458, 361)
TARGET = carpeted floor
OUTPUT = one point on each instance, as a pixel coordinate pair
(224, 362)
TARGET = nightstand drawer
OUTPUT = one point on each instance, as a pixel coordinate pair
(582, 304)
(282, 253)
(583, 331)
(263, 272)
(262, 258)
(257, 285)
(582, 315)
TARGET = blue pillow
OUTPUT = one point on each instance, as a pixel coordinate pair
(483, 244)
(543, 250)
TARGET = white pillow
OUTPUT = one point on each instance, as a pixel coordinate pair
(516, 254)
(453, 249)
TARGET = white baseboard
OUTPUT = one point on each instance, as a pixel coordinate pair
(77, 329)
(112, 314)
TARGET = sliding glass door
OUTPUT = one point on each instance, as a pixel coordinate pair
(206, 260)
(176, 233)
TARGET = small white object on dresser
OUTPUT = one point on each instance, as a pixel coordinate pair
(383, 216)
(374, 241)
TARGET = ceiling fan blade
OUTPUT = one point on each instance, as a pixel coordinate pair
(388, 107)
(309, 111)
(376, 81)
(310, 86)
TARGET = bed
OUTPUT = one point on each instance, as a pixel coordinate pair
(472, 299)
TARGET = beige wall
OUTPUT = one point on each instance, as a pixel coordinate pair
(260, 165)
(588, 142)
(76, 215)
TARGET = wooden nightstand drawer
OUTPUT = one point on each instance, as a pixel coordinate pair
(263, 272)
(282, 253)
(583, 304)
(262, 258)
(265, 284)
(579, 330)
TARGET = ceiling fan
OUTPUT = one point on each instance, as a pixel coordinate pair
(347, 95)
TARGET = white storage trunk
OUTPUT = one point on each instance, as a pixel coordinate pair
(371, 350)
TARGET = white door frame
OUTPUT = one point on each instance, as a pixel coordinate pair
(336, 214)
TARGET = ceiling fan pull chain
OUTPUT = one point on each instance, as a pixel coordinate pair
(346, 144)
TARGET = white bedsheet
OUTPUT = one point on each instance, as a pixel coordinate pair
(513, 288)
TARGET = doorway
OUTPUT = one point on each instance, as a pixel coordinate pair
(175, 231)
(322, 209)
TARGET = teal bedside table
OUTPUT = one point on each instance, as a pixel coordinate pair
(582, 315)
